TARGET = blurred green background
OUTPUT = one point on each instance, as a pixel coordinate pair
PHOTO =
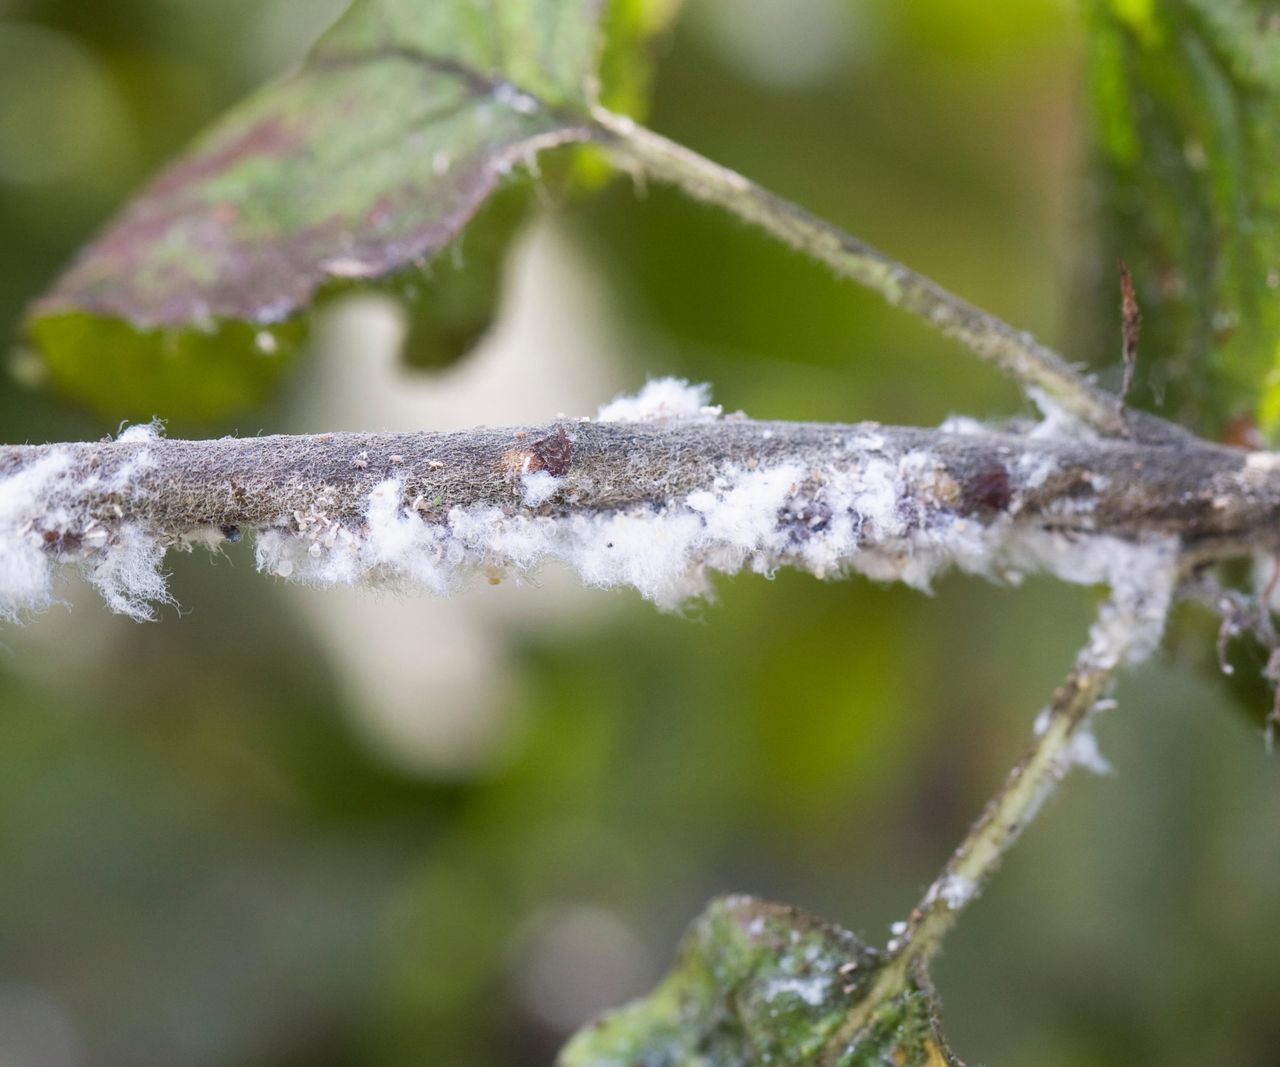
(284, 827)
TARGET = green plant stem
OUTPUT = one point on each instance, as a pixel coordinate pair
(1051, 754)
(1013, 351)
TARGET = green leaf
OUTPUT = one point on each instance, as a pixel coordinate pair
(196, 375)
(760, 983)
(626, 68)
(405, 119)
(452, 302)
(632, 28)
(1186, 98)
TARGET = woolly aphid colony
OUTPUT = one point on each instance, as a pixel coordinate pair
(865, 510)
(45, 520)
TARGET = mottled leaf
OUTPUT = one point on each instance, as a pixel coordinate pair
(761, 983)
(452, 303)
(1187, 122)
(403, 121)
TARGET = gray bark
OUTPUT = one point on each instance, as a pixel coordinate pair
(1221, 501)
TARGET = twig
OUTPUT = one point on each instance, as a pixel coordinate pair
(1014, 352)
(654, 505)
(1124, 626)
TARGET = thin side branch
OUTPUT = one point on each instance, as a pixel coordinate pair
(1015, 352)
(1128, 625)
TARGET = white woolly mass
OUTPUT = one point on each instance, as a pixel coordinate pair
(1083, 751)
(44, 521)
(666, 556)
(867, 510)
(26, 570)
(862, 514)
(963, 425)
(539, 487)
(1035, 470)
(1057, 421)
(954, 890)
(661, 398)
(1142, 580)
(142, 432)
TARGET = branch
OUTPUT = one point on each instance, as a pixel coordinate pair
(657, 505)
(1128, 627)
(1039, 369)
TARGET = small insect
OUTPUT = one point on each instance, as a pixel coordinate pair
(989, 491)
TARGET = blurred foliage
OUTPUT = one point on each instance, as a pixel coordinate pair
(1186, 107)
(206, 862)
(631, 29)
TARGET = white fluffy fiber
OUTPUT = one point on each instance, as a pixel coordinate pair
(42, 506)
(666, 556)
(661, 398)
(863, 513)
(26, 571)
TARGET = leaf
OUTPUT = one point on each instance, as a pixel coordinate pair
(1186, 98)
(760, 983)
(626, 68)
(404, 120)
(195, 375)
(452, 303)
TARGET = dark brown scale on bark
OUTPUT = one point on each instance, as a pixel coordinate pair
(553, 454)
(989, 491)
(61, 541)
(1080, 486)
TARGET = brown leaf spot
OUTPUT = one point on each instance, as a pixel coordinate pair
(269, 138)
